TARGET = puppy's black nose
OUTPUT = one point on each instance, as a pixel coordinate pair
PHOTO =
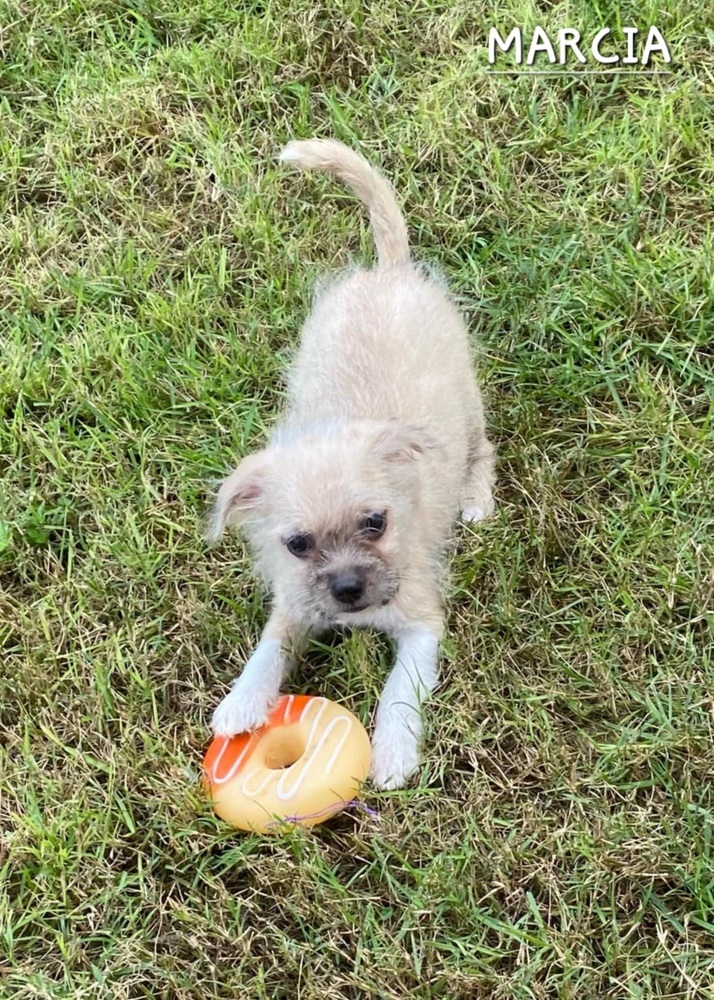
(347, 587)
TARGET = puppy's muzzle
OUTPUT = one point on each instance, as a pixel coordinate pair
(348, 588)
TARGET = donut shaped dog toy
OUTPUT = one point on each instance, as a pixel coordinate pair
(303, 766)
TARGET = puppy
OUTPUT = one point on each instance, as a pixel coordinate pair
(350, 506)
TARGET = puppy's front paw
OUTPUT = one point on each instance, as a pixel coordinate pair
(470, 515)
(395, 754)
(472, 512)
(239, 712)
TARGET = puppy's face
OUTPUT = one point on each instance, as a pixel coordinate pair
(330, 516)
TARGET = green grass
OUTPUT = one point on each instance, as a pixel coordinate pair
(155, 267)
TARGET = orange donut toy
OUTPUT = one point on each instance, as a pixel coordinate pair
(303, 766)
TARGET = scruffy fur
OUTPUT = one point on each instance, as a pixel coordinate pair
(384, 429)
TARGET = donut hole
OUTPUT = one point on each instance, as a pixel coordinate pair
(284, 749)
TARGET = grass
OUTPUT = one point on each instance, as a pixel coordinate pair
(155, 266)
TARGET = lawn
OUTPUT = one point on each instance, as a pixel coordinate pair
(155, 266)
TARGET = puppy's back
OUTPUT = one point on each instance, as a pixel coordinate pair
(386, 343)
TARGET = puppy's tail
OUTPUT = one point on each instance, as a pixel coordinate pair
(371, 187)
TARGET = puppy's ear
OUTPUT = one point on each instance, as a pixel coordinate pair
(239, 495)
(400, 443)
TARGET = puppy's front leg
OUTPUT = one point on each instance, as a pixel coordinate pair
(398, 727)
(253, 694)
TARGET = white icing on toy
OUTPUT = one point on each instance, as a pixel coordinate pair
(286, 795)
(236, 763)
(288, 706)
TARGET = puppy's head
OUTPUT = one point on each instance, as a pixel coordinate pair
(330, 515)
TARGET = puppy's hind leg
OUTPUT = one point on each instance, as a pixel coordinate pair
(398, 725)
(253, 694)
(477, 497)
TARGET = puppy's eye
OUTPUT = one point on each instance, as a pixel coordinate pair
(300, 545)
(374, 525)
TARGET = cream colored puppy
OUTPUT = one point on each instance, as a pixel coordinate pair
(350, 506)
